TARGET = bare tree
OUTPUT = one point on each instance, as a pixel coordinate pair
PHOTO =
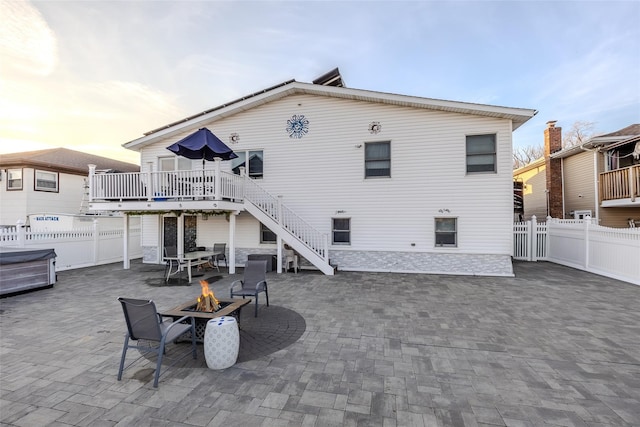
(579, 133)
(524, 155)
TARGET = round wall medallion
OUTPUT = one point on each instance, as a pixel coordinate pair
(375, 127)
(234, 138)
(297, 126)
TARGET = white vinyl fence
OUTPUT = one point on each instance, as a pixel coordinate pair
(76, 248)
(611, 252)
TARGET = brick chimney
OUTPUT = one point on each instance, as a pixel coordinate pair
(553, 168)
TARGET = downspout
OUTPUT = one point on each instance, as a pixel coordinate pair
(596, 186)
(562, 180)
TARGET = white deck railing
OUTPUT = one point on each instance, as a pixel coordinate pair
(205, 184)
(286, 218)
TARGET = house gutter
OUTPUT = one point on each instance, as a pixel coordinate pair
(596, 185)
(564, 211)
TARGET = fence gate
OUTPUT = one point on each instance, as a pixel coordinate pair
(530, 240)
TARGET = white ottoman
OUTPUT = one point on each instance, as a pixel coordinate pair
(221, 342)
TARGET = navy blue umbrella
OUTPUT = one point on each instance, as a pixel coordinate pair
(204, 145)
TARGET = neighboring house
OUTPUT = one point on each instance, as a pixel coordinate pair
(47, 181)
(349, 178)
(600, 178)
(531, 179)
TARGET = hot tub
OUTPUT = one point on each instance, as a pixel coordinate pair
(26, 269)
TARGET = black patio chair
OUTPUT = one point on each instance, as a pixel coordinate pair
(145, 323)
(253, 282)
(222, 255)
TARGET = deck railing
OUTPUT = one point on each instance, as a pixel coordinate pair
(174, 185)
(205, 184)
(620, 183)
(273, 207)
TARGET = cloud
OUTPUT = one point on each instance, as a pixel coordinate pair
(26, 41)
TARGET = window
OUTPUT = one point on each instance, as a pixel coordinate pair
(481, 153)
(46, 181)
(14, 179)
(446, 232)
(341, 231)
(377, 159)
(266, 235)
(256, 161)
(175, 163)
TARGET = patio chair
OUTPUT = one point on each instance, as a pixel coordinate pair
(290, 260)
(144, 323)
(253, 282)
(215, 260)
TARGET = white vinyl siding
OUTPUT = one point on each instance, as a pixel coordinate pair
(322, 172)
(578, 181)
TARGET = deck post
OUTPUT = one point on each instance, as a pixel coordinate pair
(125, 242)
(217, 179)
(150, 184)
(231, 261)
(279, 253)
(92, 172)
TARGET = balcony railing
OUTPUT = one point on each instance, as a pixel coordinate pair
(620, 184)
(172, 185)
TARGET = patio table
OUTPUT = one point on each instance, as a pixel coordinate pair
(191, 259)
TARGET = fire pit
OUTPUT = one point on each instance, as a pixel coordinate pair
(207, 307)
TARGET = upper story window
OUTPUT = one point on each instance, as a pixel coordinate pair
(446, 232)
(341, 231)
(255, 158)
(46, 181)
(174, 163)
(377, 159)
(481, 153)
(14, 179)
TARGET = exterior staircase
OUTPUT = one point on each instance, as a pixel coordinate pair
(310, 243)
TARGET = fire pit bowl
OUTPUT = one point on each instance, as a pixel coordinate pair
(228, 307)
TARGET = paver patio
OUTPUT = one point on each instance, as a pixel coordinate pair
(552, 346)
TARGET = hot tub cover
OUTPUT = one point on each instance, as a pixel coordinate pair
(18, 255)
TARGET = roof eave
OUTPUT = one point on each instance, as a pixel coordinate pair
(518, 116)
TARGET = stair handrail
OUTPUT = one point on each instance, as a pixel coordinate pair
(284, 216)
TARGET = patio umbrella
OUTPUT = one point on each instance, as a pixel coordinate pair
(202, 144)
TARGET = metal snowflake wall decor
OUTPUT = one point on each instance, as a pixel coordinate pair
(297, 126)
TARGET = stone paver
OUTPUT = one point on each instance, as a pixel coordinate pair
(552, 346)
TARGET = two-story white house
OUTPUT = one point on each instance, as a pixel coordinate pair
(349, 178)
(48, 181)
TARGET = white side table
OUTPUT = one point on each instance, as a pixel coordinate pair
(221, 342)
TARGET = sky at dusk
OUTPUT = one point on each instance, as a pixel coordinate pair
(93, 75)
